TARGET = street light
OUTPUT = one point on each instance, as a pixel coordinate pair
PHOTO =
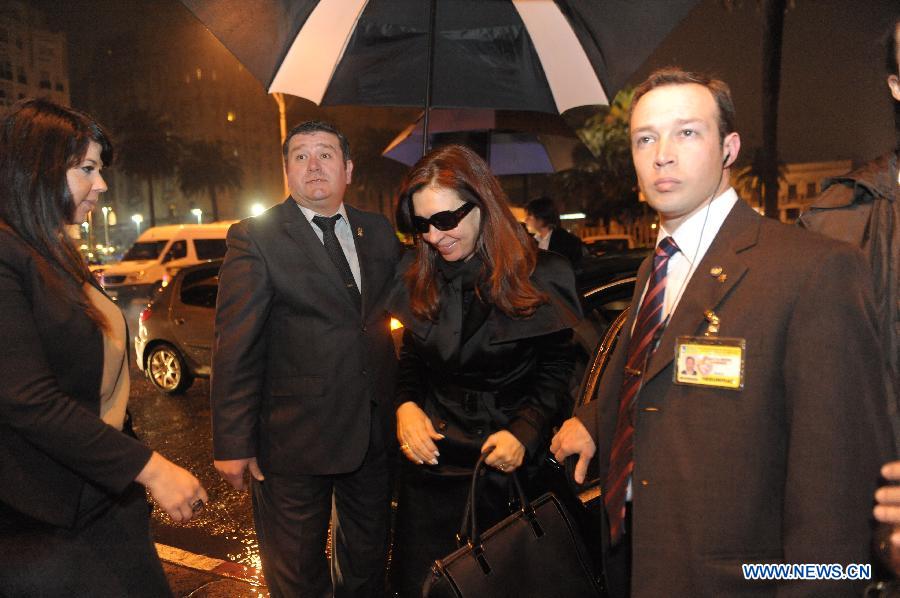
(106, 210)
(199, 214)
(137, 219)
(257, 209)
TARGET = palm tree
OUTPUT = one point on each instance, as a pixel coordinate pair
(603, 183)
(148, 150)
(208, 167)
(750, 177)
(773, 34)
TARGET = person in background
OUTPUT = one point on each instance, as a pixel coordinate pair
(74, 518)
(772, 455)
(303, 375)
(486, 357)
(863, 209)
(542, 217)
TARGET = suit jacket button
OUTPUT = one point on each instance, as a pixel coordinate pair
(479, 431)
(442, 425)
(645, 483)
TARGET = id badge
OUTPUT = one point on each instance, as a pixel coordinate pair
(710, 361)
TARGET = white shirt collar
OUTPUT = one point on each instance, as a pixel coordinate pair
(693, 237)
(310, 214)
(696, 233)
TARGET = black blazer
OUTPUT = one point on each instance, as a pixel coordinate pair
(52, 440)
(567, 245)
(296, 367)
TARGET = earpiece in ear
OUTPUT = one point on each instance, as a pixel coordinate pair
(725, 159)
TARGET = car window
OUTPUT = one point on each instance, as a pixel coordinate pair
(200, 287)
(209, 249)
(146, 250)
(177, 251)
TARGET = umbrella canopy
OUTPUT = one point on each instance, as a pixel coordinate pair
(511, 142)
(539, 55)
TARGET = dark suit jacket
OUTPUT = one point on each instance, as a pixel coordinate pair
(52, 440)
(782, 471)
(567, 245)
(296, 367)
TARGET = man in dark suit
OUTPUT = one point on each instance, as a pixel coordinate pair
(303, 371)
(771, 453)
(542, 217)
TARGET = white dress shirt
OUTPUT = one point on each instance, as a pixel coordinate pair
(693, 237)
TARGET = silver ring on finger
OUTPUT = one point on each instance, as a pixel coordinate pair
(197, 505)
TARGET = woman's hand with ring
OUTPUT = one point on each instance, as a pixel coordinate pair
(416, 434)
(505, 452)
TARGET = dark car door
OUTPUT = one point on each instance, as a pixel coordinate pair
(193, 313)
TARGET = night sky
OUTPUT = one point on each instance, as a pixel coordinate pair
(834, 104)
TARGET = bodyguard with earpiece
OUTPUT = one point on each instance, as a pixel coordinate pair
(739, 421)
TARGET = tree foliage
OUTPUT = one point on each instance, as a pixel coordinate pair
(603, 183)
(147, 149)
(208, 167)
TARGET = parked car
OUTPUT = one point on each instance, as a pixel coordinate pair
(602, 244)
(158, 254)
(175, 331)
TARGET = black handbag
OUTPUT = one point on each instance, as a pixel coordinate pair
(535, 552)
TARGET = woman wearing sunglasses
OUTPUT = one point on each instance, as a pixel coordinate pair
(486, 357)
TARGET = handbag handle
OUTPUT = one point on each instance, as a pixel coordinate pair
(468, 531)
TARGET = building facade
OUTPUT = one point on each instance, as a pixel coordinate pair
(33, 59)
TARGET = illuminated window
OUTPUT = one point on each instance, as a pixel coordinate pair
(230, 116)
(199, 74)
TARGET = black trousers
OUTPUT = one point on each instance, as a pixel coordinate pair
(109, 552)
(617, 562)
(292, 515)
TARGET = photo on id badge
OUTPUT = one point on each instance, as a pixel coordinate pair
(712, 362)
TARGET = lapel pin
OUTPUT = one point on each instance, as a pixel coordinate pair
(715, 271)
(722, 277)
(359, 231)
(713, 319)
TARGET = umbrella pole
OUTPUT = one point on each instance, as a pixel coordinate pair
(429, 73)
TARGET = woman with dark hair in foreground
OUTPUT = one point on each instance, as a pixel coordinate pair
(74, 517)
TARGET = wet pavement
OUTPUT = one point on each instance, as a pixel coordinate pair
(179, 428)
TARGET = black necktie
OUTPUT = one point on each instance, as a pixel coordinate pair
(333, 247)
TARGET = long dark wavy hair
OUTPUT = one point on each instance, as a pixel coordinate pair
(39, 142)
(508, 254)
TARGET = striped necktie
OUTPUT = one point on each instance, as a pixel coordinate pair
(647, 325)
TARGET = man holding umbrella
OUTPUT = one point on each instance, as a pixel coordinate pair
(303, 372)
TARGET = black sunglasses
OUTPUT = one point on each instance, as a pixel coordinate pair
(443, 221)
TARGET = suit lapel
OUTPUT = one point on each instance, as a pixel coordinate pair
(300, 230)
(704, 291)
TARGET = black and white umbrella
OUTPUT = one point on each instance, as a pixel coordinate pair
(538, 55)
